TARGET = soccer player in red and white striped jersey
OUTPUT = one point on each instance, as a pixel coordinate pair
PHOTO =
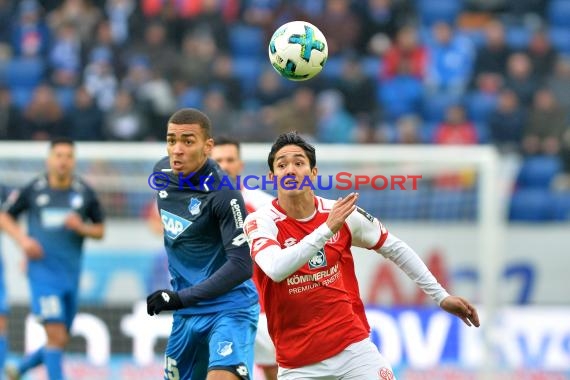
(301, 244)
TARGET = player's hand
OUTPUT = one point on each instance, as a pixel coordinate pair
(74, 222)
(32, 248)
(462, 308)
(342, 208)
(162, 300)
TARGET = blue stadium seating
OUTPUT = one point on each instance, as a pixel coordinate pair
(531, 205)
(479, 106)
(21, 96)
(432, 11)
(372, 66)
(247, 70)
(518, 36)
(483, 132)
(558, 13)
(333, 67)
(400, 96)
(247, 41)
(537, 172)
(560, 38)
(451, 205)
(394, 204)
(65, 97)
(561, 206)
(24, 72)
(436, 105)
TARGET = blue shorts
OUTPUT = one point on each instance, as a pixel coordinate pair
(211, 341)
(54, 305)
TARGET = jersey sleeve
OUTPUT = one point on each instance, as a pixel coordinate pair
(94, 209)
(17, 201)
(229, 208)
(366, 230)
(278, 264)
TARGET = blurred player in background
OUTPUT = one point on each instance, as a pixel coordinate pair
(216, 302)
(3, 297)
(62, 210)
(227, 153)
(300, 243)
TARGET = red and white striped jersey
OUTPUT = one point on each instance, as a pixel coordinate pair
(316, 311)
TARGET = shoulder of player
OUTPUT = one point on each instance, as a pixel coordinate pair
(263, 218)
(162, 165)
(80, 185)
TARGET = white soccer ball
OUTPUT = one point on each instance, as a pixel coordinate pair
(298, 50)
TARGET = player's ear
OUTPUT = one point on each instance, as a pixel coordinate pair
(208, 146)
(270, 175)
(314, 172)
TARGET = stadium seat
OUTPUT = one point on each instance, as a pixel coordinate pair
(65, 97)
(451, 205)
(560, 38)
(518, 36)
(435, 106)
(530, 205)
(432, 11)
(476, 36)
(24, 72)
(21, 96)
(372, 66)
(247, 41)
(333, 67)
(400, 96)
(537, 172)
(561, 206)
(483, 132)
(247, 70)
(390, 204)
(479, 106)
(192, 97)
(558, 13)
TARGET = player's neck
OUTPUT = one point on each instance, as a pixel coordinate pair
(56, 182)
(300, 206)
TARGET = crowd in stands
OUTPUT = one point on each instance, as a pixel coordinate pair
(399, 71)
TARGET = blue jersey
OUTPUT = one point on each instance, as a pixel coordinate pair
(201, 224)
(47, 210)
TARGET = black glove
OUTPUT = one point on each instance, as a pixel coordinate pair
(162, 300)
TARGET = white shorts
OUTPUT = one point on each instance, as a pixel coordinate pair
(358, 361)
(264, 350)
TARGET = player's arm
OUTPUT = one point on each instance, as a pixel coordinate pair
(278, 263)
(368, 232)
(11, 209)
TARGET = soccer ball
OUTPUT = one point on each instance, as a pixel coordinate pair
(298, 50)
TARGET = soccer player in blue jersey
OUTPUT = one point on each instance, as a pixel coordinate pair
(62, 210)
(216, 302)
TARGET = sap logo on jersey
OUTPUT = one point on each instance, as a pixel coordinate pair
(173, 224)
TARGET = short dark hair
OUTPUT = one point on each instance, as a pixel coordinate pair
(192, 116)
(61, 141)
(292, 138)
(226, 140)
